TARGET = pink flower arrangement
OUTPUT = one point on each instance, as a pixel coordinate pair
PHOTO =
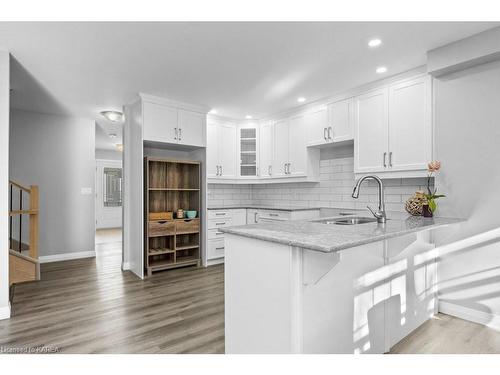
(431, 196)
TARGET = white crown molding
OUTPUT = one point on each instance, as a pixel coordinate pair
(174, 103)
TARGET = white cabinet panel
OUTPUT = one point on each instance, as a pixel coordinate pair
(410, 125)
(317, 126)
(371, 131)
(266, 149)
(297, 154)
(281, 146)
(340, 124)
(191, 126)
(239, 216)
(212, 150)
(227, 151)
(216, 249)
(160, 123)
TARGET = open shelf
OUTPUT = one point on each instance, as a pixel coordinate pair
(171, 185)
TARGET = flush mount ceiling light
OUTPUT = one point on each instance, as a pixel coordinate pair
(301, 99)
(381, 69)
(374, 43)
(119, 146)
(113, 116)
(112, 135)
(248, 117)
(213, 112)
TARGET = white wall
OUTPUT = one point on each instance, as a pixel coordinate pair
(108, 154)
(57, 153)
(4, 184)
(467, 122)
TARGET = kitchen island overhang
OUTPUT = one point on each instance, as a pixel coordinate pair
(363, 298)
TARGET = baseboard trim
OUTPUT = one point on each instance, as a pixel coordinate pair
(213, 262)
(5, 312)
(67, 256)
(476, 316)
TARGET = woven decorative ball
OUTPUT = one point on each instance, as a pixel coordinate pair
(414, 204)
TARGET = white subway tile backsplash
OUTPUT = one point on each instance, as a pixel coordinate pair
(333, 190)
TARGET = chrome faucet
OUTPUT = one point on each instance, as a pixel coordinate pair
(380, 214)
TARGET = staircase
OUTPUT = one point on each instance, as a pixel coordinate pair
(23, 257)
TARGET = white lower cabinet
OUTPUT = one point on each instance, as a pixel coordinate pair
(218, 219)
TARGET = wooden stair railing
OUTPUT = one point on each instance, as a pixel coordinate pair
(24, 267)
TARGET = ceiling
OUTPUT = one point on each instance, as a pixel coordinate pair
(241, 68)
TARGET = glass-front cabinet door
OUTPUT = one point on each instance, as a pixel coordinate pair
(248, 151)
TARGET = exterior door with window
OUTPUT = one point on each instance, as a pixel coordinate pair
(108, 194)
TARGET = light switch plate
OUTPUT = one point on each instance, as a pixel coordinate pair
(86, 191)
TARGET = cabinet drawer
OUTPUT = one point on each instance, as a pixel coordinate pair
(187, 226)
(219, 223)
(214, 234)
(216, 249)
(161, 228)
(218, 214)
(278, 215)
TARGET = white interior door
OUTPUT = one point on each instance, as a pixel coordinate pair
(410, 124)
(212, 150)
(371, 130)
(281, 145)
(298, 146)
(108, 194)
(228, 150)
(191, 125)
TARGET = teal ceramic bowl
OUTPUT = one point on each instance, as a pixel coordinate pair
(191, 214)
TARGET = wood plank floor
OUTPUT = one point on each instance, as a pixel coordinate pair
(91, 306)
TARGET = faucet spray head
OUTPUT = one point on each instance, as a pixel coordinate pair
(355, 192)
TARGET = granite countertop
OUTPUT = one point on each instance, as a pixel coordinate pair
(261, 207)
(330, 237)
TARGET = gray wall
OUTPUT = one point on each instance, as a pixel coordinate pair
(57, 153)
(4, 184)
(467, 122)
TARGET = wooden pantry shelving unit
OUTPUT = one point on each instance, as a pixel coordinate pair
(170, 185)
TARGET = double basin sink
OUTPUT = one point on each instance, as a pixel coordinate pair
(354, 220)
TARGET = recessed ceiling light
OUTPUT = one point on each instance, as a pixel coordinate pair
(113, 116)
(119, 146)
(374, 43)
(112, 135)
(381, 69)
(213, 112)
(301, 99)
(248, 117)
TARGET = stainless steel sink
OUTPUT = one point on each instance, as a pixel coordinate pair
(348, 221)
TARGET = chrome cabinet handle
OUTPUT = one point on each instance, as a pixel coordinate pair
(221, 170)
(224, 223)
(273, 215)
(390, 159)
(220, 214)
(325, 134)
(218, 233)
(219, 248)
(289, 168)
(217, 173)
(385, 164)
(175, 131)
(269, 170)
(180, 134)
(255, 217)
(330, 133)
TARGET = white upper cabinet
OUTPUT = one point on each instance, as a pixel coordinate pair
(297, 154)
(410, 124)
(191, 128)
(317, 126)
(160, 123)
(281, 146)
(248, 142)
(371, 131)
(340, 121)
(266, 149)
(169, 124)
(393, 129)
(221, 150)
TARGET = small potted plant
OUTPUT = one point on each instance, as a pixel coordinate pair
(431, 196)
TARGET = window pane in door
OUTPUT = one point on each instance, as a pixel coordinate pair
(112, 187)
